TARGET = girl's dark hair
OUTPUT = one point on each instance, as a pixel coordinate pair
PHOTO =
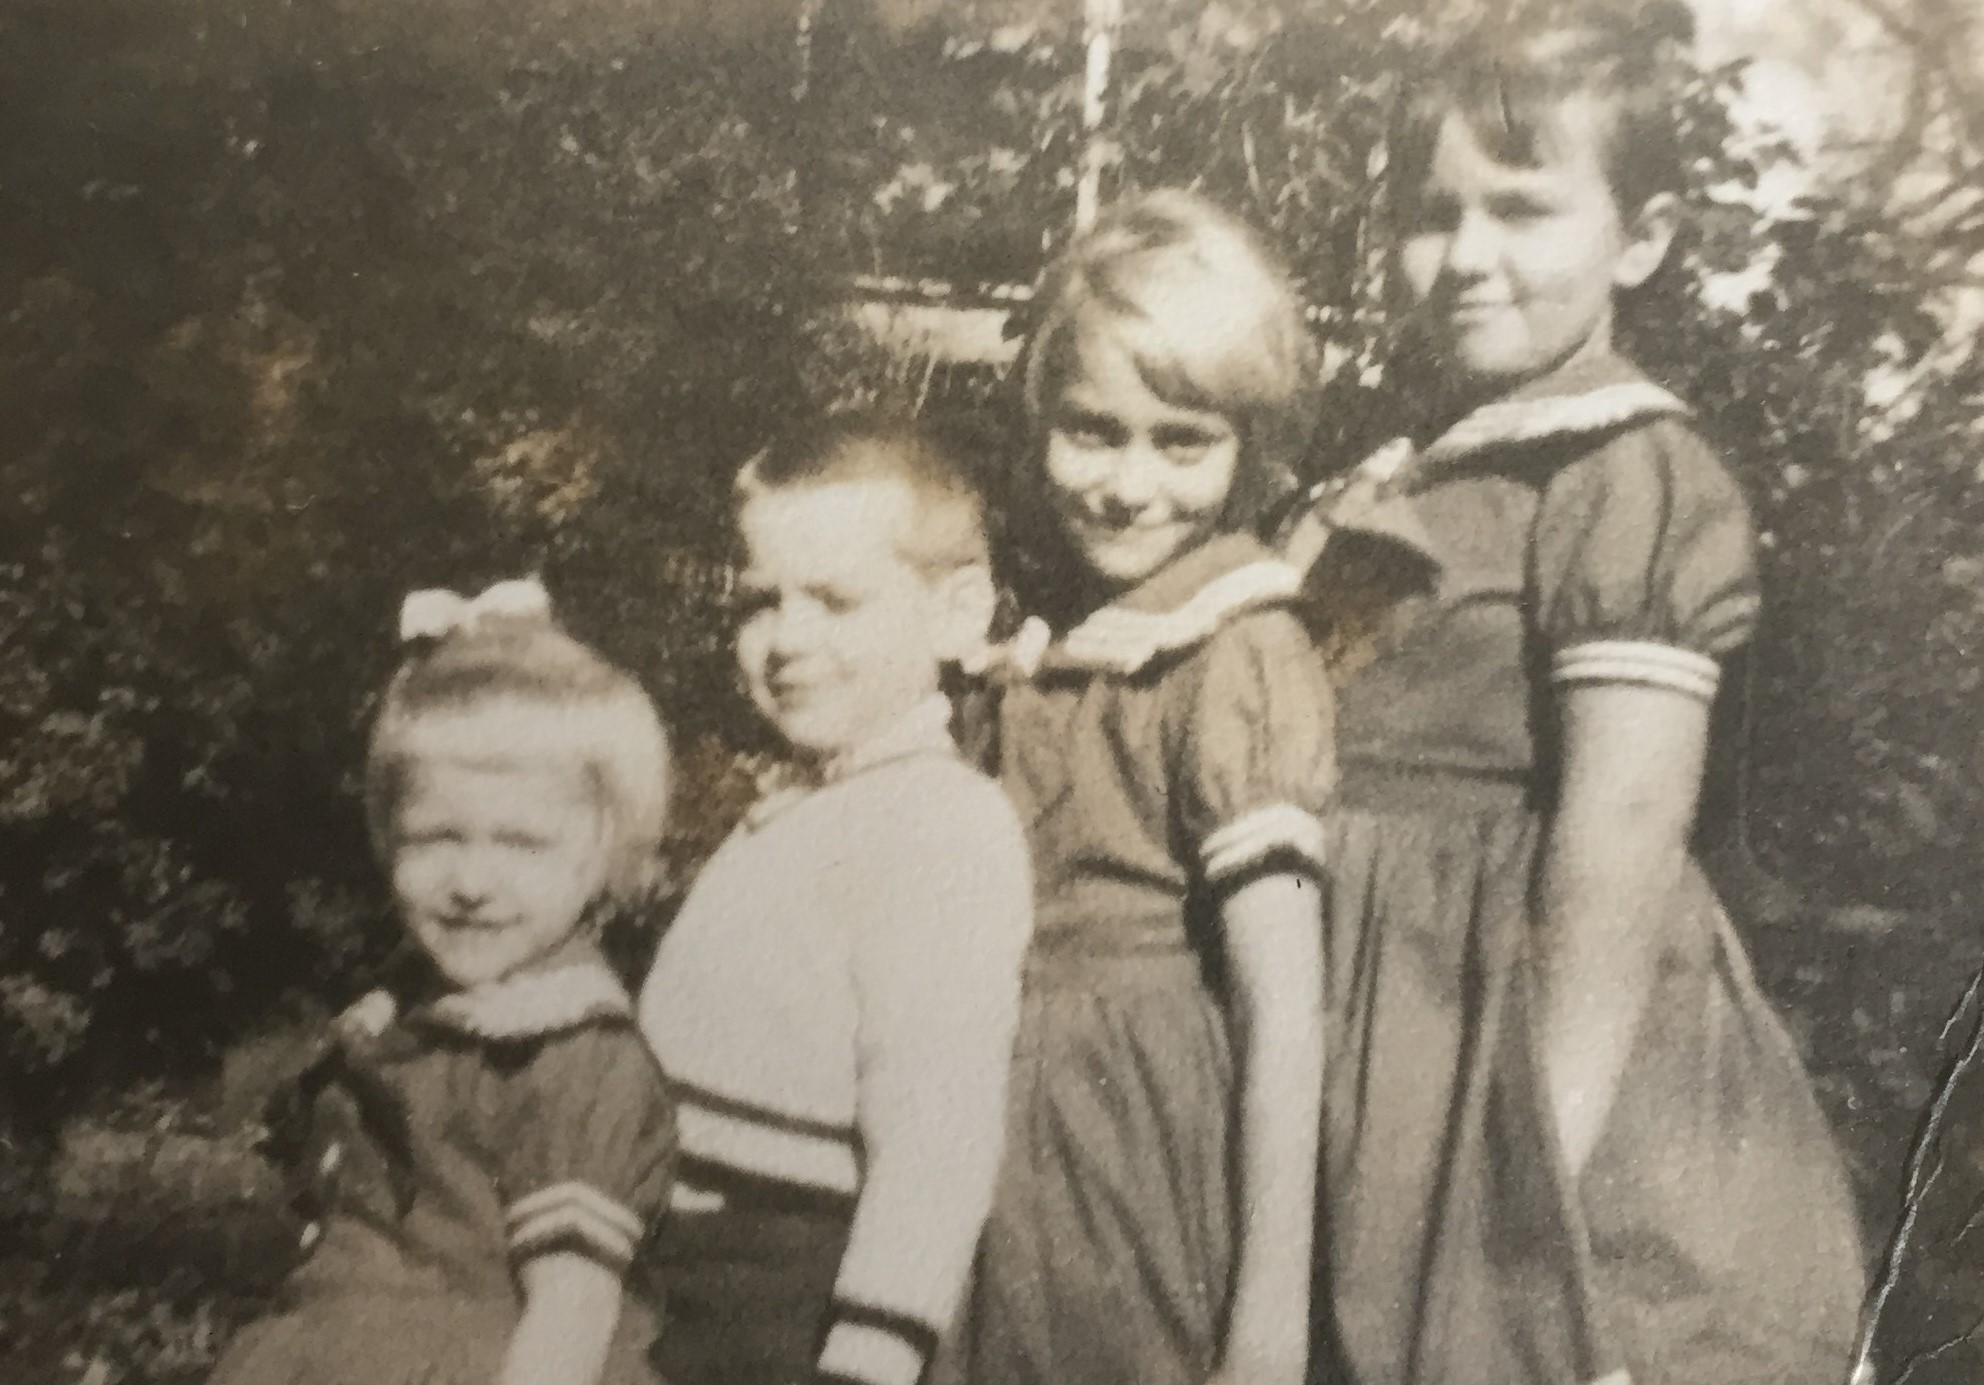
(1508, 76)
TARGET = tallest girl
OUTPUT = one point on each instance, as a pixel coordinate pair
(1567, 1139)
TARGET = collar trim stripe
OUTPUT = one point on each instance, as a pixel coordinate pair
(1514, 422)
(1118, 640)
(533, 1003)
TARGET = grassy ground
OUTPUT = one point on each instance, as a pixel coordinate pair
(160, 1229)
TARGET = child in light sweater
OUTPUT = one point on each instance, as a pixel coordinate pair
(835, 1003)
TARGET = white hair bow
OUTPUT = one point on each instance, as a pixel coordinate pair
(437, 611)
(1015, 659)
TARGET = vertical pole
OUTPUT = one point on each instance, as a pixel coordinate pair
(803, 43)
(1100, 19)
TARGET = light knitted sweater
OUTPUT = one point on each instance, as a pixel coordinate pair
(835, 1007)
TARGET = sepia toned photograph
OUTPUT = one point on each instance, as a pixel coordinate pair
(992, 692)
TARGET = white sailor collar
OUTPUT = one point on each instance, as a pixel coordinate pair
(528, 1005)
(1581, 398)
(1179, 607)
(924, 729)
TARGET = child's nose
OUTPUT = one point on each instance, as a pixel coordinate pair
(468, 882)
(1133, 481)
(795, 629)
(1470, 250)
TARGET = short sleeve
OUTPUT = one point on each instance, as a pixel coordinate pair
(1643, 565)
(587, 1161)
(1257, 751)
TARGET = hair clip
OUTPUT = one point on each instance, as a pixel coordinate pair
(436, 611)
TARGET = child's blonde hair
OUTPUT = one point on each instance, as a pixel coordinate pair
(1210, 318)
(512, 688)
(947, 531)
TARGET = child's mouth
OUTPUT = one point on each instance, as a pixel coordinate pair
(470, 923)
(1469, 310)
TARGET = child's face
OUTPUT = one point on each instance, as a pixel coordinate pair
(1135, 479)
(842, 634)
(494, 865)
(1513, 268)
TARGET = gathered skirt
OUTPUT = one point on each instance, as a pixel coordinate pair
(1108, 1256)
(1711, 1239)
(378, 1337)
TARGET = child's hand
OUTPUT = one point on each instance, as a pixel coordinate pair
(571, 1307)
(1271, 1368)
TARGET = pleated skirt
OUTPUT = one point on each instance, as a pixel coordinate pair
(1711, 1239)
(1108, 1256)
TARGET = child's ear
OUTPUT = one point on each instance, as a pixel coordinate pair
(1649, 236)
(970, 599)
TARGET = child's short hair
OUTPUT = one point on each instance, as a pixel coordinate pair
(1211, 319)
(554, 700)
(947, 532)
(1507, 76)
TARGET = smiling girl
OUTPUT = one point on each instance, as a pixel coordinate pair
(1569, 1139)
(490, 1150)
(1168, 755)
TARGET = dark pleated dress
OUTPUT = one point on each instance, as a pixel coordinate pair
(1170, 745)
(445, 1151)
(1582, 533)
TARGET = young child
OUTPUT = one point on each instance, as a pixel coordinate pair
(1568, 1138)
(835, 1002)
(1169, 754)
(491, 1151)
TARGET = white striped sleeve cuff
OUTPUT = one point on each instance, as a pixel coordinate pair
(573, 1216)
(873, 1346)
(1276, 830)
(1645, 662)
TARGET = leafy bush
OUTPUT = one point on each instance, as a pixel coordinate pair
(310, 305)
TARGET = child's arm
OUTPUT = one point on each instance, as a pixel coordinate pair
(584, 1162)
(571, 1306)
(1259, 763)
(1273, 931)
(1644, 577)
(946, 914)
(1632, 767)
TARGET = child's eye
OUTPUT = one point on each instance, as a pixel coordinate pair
(1518, 207)
(1433, 215)
(1184, 444)
(753, 601)
(523, 841)
(1087, 429)
(836, 602)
